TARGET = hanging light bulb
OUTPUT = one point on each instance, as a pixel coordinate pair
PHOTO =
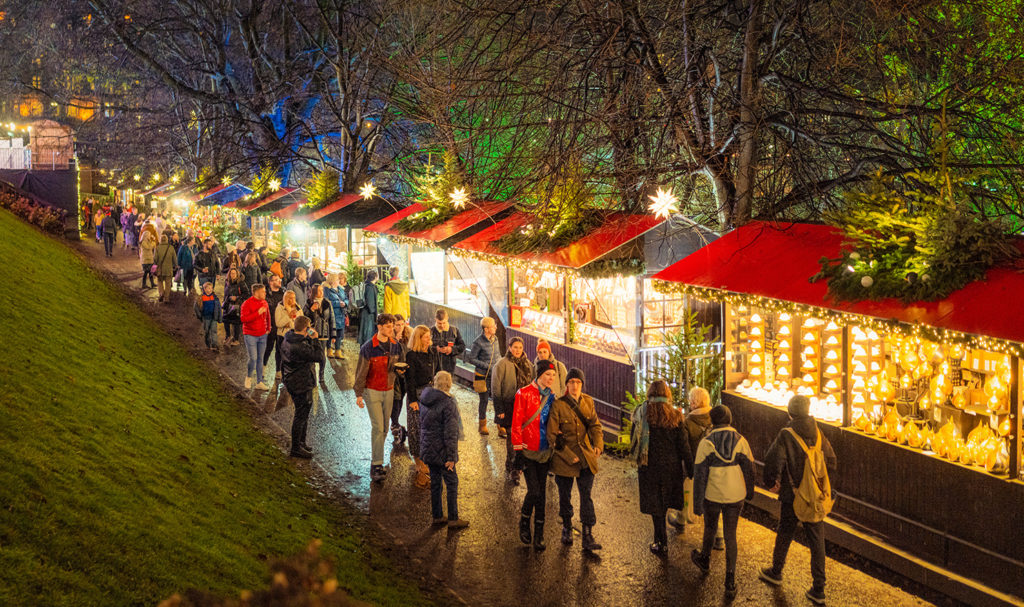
(784, 330)
(755, 317)
(784, 344)
(783, 358)
(784, 317)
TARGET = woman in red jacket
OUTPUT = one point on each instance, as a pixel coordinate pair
(530, 441)
(255, 316)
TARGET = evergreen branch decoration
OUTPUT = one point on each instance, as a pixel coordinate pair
(914, 244)
(261, 183)
(433, 191)
(324, 189)
(424, 220)
(607, 268)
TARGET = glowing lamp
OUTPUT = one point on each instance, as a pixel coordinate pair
(784, 344)
(784, 330)
(782, 372)
(755, 358)
(808, 351)
(809, 337)
(783, 358)
(831, 370)
(755, 371)
(832, 341)
(832, 326)
(831, 385)
(808, 365)
(831, 355)
(784, 317)
(755, 331)
(808, 378)
(860, 367)
(755, 317)
(755, 345)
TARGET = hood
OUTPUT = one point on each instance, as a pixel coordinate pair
(552, 359)
(724, 439)
(292, 336)
(432, 397)
(398, 286)
(807, 428)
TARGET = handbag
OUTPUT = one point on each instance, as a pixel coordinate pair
(479, 383)
(153, 269)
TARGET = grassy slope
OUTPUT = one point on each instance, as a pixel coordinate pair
(126, 474)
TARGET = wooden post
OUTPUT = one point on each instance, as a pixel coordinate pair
(1015, 418)
(846, 401)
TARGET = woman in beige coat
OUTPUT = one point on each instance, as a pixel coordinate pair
(578, 440)
(147, 255)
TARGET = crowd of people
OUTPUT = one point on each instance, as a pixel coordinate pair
(694, 463)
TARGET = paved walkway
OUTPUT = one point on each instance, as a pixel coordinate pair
(486, 564)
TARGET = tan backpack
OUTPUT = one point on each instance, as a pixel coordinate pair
(813, 497)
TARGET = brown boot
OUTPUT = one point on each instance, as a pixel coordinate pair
(501, 432)
(483, 427)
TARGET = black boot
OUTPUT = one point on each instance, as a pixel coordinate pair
(589, 543)
(524, 529)
(538, 535)
(730, 586)
(567, 532)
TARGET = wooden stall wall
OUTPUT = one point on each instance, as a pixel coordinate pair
(607, 380)
(955, 516)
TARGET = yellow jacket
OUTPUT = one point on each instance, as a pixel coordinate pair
(396, 298)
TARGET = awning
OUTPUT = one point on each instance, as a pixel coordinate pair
(480, 216)
(197, 197)
(274, 202)
(618, 229)
(228, 194)
(290, 211)
(777, 261)
(350, 210)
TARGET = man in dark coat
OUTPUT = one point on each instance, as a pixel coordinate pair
(784, 465)
(447, 340)
(300, 350)
(275, 295)
(109, 225)
(207, 263)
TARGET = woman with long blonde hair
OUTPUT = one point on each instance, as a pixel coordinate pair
(421, 370)
(660, 444)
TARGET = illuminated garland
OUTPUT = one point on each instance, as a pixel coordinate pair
(425, 219)
(936, 334)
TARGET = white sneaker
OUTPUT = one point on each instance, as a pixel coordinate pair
(262, 386)
(248, 382)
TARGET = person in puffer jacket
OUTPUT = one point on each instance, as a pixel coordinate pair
(439, 447)
(723, 480)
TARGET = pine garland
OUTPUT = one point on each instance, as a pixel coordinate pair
(433, 191)
(606, 268)
(261, 184)
(324, 189)
(914, 244)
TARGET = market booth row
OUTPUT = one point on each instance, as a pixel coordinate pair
(921, 401)
(591, 300)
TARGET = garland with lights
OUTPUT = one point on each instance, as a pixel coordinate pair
(881, 325)
(425, 219)
(608, 268)
(265, 183)
(442, 194)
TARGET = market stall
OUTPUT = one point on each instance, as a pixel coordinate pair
(921, 400)
(265, 232)
(337, 229)
(441, 278)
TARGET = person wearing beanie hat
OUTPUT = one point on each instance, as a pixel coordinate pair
(723, 479)
(785, 461)
(544, 353)
(529, 437)
(578, 439)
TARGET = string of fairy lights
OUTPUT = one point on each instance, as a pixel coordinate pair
(937, 334)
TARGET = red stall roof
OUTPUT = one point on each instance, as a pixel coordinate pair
(289, 211)
(777, 261)
(246, 205)
(484, 211)
(339, 203)
(617, 230)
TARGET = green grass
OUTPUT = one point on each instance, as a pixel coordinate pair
(126, 472)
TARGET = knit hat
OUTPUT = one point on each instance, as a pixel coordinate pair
(799, 406)
(575, 373)
(720, 415)
(543, 344)
(544, 365)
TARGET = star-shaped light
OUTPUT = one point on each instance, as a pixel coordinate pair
(136, 177)
(459, 197)
(226, 180)
(367, 191)
(664, 203)
(176, 179)
(156, 177)
(274, 185)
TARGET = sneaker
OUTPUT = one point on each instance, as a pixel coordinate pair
(815, 596)
(658, 548)
(702, 562)
(262, 386)
(458, 524)
(248, 382)
(770, 577)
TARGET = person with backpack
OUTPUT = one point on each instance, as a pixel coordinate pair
(366, 303)
(797, 467)
(723, 479)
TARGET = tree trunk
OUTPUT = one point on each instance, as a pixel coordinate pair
(747, 127)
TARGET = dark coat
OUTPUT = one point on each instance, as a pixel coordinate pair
(420, 374)
(241, 292)
(298, 354)
(785, 459)
(273, 300)
(439, 428)
(368, 313)
(484, 354)
(446, 362)
(322, 320)
(669, 461)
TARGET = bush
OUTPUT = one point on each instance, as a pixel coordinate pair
(49, 219)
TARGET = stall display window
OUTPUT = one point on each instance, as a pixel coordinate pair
(428, 274)
(364, 249)
(605, 314)
(773, 356)
(541, 296)
(662, 314)
(950, 401)
(476, 286)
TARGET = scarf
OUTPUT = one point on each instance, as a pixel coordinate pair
(523, 370)
(640, 434)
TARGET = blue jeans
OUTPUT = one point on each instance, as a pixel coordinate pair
(255, 346)
(451, 484)
(210, 331)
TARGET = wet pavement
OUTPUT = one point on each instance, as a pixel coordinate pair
(486, 564)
